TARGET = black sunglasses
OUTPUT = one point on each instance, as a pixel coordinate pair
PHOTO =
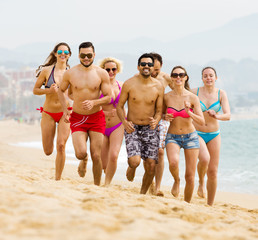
(109, 69)
(176, 75)
(143, 64)
(88, 55)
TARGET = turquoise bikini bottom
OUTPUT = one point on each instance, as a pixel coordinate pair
(208, 136)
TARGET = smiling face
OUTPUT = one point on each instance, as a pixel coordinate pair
(111, 68)
(86, 56)
(61, 53)
(209, 77)
(145, 67)
(178, 77)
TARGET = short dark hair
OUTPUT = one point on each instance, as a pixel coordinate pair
(87, 45)
(157, 57)
(145, 55)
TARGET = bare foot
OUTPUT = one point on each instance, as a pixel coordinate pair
(82, 167)
(200, 191)
(175, 189)
(130, 173)
(160, 193)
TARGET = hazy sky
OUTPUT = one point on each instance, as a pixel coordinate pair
(75, 21)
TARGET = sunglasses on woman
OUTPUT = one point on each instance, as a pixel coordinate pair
(66, 52)
(109, 69)
(176, 75)
(88, 55)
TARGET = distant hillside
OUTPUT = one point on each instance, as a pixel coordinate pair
(232, 49)
(235, 40)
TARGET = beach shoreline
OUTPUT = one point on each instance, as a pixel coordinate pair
(35, 206)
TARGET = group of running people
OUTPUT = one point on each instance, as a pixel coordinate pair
(88, 101)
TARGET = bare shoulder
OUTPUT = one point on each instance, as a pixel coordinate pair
(130, 81)
(101, 72)
(194, 90)
(223, 93)
(157, 83)
(120, 83)
(166, 77)
(46, 70)
(193, 96)
(168, 94)
(72, 70)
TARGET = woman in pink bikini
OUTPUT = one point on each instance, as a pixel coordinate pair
(182, 108)
(114, 132)
(50, 74)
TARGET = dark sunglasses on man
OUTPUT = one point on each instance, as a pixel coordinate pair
(88, 55)
(143, 64)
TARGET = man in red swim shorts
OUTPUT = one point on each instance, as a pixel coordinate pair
(86, 80)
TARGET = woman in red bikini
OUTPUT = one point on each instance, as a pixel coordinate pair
(182, 107)
(50, 74)
(114, 132)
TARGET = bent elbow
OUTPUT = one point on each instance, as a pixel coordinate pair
(34, 91)
(202, 122)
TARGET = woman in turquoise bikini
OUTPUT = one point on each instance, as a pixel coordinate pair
(114, 132)
(50, 75)
(212, 100)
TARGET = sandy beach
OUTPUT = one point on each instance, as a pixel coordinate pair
(35, 206)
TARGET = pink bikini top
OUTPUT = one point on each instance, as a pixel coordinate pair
(114, 102)
(181, 113)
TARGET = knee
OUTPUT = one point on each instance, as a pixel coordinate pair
(81, 155)
(114, 156)
(161, 152)
(48, 151)
(189, 178)
(96, 156)
(204, 161)
(173, 165)
(151, 169)
(212, 174)
(60, 147)
(134, 163)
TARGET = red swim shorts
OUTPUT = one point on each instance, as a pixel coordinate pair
(94, 122)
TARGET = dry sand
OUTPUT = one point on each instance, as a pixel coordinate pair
(33, 206)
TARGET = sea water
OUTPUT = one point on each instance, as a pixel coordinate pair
(238, 166)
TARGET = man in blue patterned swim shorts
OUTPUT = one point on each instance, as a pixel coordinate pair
(144, 95)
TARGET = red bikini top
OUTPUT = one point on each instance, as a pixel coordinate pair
(178, 113)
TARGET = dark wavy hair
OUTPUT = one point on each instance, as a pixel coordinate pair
(51, 59)
(187, 87)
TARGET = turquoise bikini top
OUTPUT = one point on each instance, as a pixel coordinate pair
(215, 106)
